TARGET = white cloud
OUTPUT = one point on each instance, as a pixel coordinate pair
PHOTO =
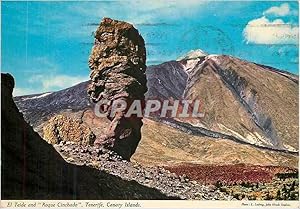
(54, 82)
(62, 81)
(49, 83)
(283, 10)
(44, 76)
(24, 91)
(264, 31)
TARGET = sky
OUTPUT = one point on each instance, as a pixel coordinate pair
(46, 45)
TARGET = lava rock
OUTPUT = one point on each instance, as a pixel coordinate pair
(61, 128)
(118, 64)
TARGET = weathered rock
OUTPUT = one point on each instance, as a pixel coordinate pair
(118, 64)
(32, 169)
(169, 80)
(154, 177)
(61, 128)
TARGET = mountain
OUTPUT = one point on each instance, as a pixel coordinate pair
(247, 101)
(193, 54)
(251, 112)
(33, 169)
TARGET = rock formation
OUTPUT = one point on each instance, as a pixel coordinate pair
(32, 169)
(117, 64)
(62, 128)
(186, 142)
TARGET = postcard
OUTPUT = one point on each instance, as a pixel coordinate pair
(149, 104)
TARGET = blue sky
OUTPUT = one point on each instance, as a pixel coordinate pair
(45, 45)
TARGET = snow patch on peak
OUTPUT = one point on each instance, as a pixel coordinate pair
(191, 64)
(36, 97)
(193, 54)
(213, 57)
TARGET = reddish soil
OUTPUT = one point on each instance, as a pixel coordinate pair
(229, 174)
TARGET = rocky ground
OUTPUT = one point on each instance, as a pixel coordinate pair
(251, 182)
(32, 169)
(155, 177)
(277, 189)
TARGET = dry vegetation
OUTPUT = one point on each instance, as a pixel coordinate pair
(245, 181)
